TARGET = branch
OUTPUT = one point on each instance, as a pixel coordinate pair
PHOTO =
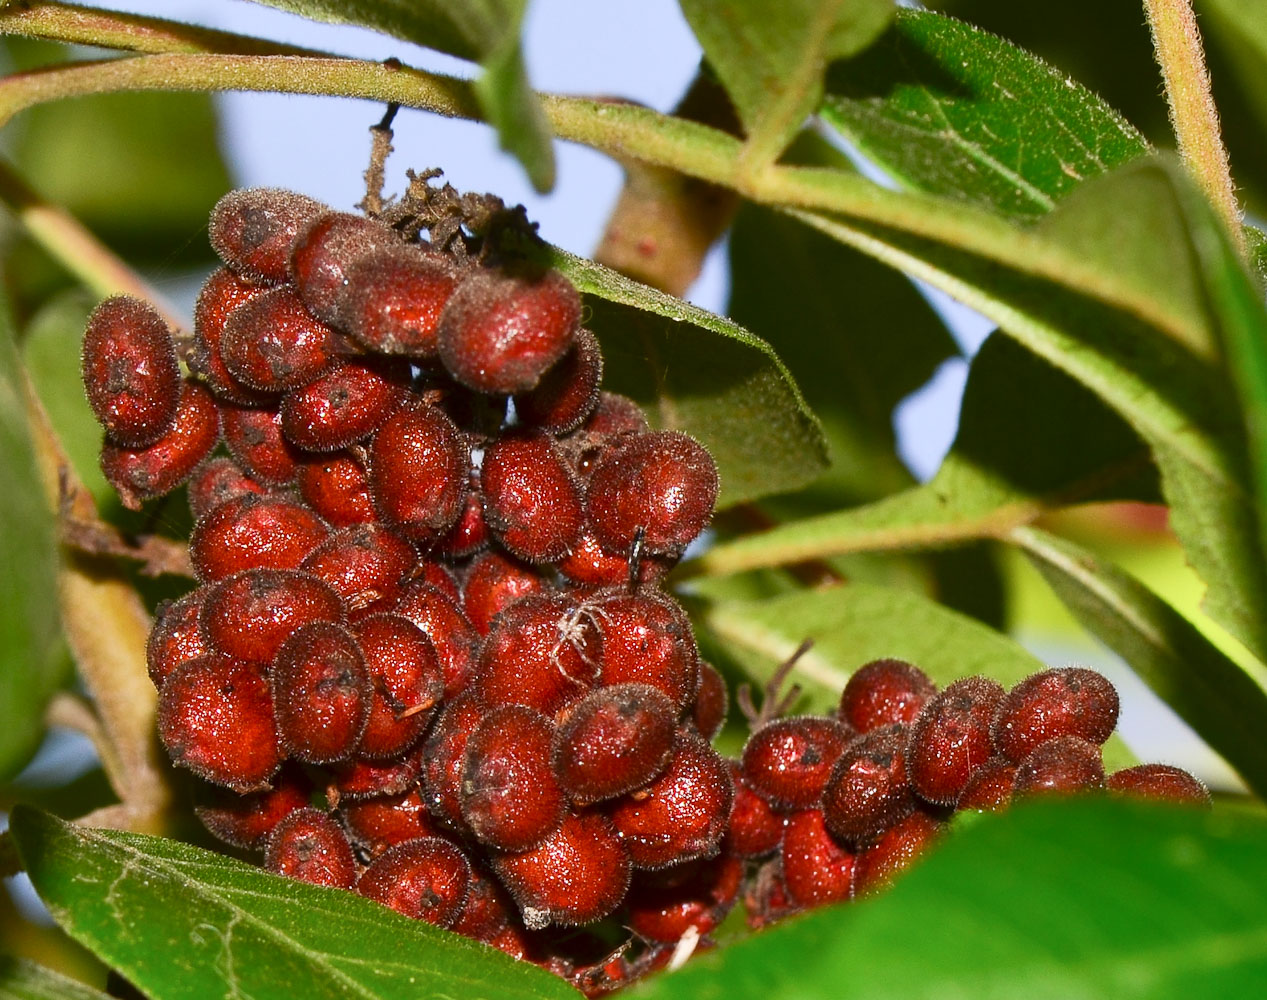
(1177, 43)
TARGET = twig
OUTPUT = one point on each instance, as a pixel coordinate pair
(1177, 42)
(774, 702)
(159, 556)
(375, 173)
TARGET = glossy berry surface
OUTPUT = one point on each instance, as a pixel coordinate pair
(254, 229)
(1072, 701)
(1064, 765)
(393, 299)
(868, 790)
(951, 739)
(426, 879)
(817, 868)
(884, 692)
(1160, 783)
(788, 762)
(321, 693)
(311, 846)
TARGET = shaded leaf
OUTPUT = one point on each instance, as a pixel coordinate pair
(179, 921)
(483, 31)
(1226, 707)
(700, 373)
(771, 57)
(23, 980)
(31, 655)
(1096, 899)
(949, 108)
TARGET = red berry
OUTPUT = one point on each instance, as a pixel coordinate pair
(883, 692)
(614, 740)
(488, 911)
(142, 473)
(868, 789)
(816, 869)
(682, 815)
(787, 762)
(895, 851)
(509, 796)
(272, 343)
(393, 298)
(577, 875)
(755, 828)
(250, 614)
(1072, 701)
(500, 334)
(321, 693)
(708, 714)
(1061, 766)
(254, 532)
(215, 481)
(613, 416)
(254, 438)
(568, 392)
(696, 898)
(245, 821)
(663, 482)
(337, 487)
(253, 230)
(325, 250)
(990, 789)
(366, 564)
(442, 621)
(383, 822)
(469, 534)
(310, 846)
(951, 739)
(647, 639)
(1159, 782)
(359, 779)
(444, 756)
(425, 879)
(494, 582)
(342, 406)
(215, 717)
(532, 501)
(130, 371)
(220, 297)
(418, 471)
(589, 564)
(177, 636)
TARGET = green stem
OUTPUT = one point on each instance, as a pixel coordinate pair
(1177, 42)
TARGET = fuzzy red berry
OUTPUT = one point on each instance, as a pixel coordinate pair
(647, 639)
(393, 299)
(444, 755)
(895, 851)
(272, 343)
(177, 636)
(418, 471)
(311, 846)
(494, 582)
(488, 910)
(254, 532)
(253, 230)
(387, 820)
(532, 501)
(440, 618)
(425, 879)
(568, 392)
(787, 762)
(245, 821)
(1161, 783)
(469, 533)
(337, 488)
(215, 481)
(1061, 766)
(1072, 701)
(817, 869)
(342, 406)
(883, 692)
(590, 565)
(321, 693)
(366, 564)
(868, 789)
(755, 828)
(324, 251)
(990, 789)
(360, 778)
(221, 296)
(250, 614)
(130, 371)
(254, 439)
(951, 739)
(696, 898)
(500, 333)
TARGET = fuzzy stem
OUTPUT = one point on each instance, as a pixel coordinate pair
(1177, 42)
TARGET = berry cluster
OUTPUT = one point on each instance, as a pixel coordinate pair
(428, 658)
(834, 807)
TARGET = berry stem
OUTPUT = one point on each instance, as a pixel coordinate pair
(1193, 114)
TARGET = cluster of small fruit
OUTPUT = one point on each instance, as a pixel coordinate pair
(840, 804)
(428, 657)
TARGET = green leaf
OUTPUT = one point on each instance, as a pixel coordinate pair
(483, 31)
(23, 980)
(31, 655)
(771, 57)
(1226, 707)
(181, 922)
(1094, 899)
(949, 108)
(1030, 440)
(700, 373)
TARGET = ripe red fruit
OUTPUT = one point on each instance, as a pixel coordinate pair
(321, 693)
(509, 796)
(488, 910)
(418, 471)
(245, 821)
(990, 789)
(455, 640)
(543, 651)
(221, 295)
(177, 636)
(614, 740)
(324, 251)
(337, 488)
(311, 846)
(215, 481)
(253, 229)
(499, 334)
(393, 298)
(883, 692)
(444, 756)
(590, 565)
(250, 614)
(951, 739)
(613, 416)
(816, 868)
(387, 820)
(868, 789)
(1061, 766)
(647, 639)
(215, 717)
(895, 851)
(130, 371)
(755, 828)
(425, 879)
(568, 392)
(1072, 701)
(341, 406)
(708, 714)
(254, 439)
(359, 779)
(139, 474)
(787, 762)
(532, 501)
(682, 815)
(469, 534)
(254, 532)
(663, 482)
(494, 582)
(1159, 782)
(695, 897)
(577, 875)
(366, 564)
(272, 343)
